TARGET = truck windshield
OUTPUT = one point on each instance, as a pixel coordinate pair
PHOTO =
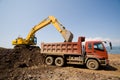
(98, 46)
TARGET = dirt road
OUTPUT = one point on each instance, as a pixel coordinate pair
(29, 65)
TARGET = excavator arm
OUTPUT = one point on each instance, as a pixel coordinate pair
(31, 39)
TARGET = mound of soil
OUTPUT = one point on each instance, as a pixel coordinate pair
(12, 58)
(18, 58)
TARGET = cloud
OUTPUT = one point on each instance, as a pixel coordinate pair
(115, 42)
(98, 39)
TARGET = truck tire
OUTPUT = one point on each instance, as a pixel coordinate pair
(92, 64)
(59, 61)
(49, 60)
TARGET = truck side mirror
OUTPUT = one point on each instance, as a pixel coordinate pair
(110, 45)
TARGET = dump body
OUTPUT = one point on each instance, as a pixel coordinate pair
(63, 47)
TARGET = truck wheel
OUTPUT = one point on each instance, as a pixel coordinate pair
(59, 61)
(92, 64)
(49, 60)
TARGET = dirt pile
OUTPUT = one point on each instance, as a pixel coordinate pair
(12, 58)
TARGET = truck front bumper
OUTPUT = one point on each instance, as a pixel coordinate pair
(104, 62)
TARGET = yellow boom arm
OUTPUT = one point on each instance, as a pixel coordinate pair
(67, 35)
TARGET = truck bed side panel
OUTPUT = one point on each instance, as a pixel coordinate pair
(61, 48)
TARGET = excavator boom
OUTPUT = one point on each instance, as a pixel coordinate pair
(67, 35)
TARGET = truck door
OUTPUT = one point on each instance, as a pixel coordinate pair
(88, 48)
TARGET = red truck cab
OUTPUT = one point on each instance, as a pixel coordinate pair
(95, 50)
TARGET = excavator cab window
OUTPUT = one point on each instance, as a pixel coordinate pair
(35, 40)
(63, 27)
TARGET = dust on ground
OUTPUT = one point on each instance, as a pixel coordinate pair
(28, 64)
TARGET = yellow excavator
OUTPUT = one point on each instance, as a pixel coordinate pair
(32, 40)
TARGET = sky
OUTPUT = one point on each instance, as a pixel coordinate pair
(94, 19)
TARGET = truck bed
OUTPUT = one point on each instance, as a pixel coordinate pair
(63, 47)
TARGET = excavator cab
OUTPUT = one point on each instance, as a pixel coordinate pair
(33, 40)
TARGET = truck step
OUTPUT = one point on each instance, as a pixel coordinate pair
(74, 59)
(80, 62)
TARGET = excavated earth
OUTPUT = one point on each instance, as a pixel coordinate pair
(28, 64)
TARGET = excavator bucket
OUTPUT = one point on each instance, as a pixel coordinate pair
(68, 36)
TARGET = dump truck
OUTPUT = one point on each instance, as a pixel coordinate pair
(93, 54)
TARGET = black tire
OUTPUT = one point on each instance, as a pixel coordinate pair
(92, 64)
(49, 60)
(59, 61)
